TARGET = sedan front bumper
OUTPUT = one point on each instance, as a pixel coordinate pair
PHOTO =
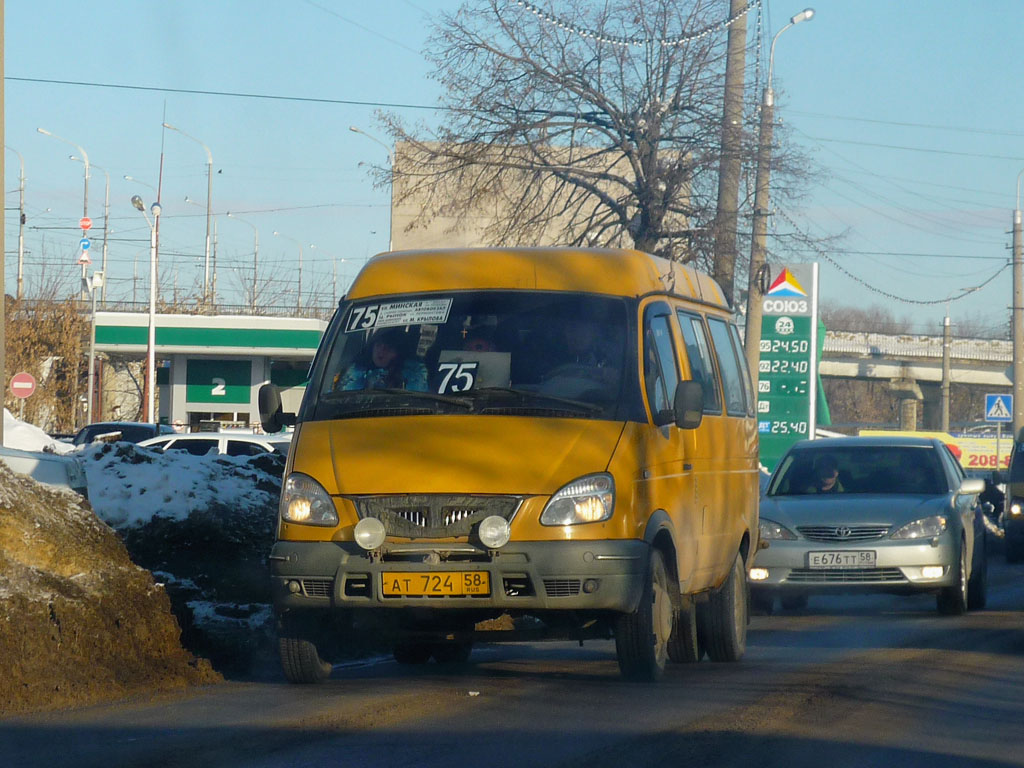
(900, 565)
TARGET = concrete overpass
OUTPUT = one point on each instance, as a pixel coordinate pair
(912, 365)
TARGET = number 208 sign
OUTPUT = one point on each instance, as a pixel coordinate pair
(787, 370)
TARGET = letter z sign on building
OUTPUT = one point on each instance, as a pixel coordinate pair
(788, 367)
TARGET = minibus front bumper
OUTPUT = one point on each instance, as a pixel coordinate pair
(535, 575)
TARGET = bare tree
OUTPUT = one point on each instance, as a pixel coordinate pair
(578, 123)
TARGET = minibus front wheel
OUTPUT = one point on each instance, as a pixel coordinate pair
(300, 658)
(642, 637)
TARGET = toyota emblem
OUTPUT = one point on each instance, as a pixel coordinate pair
(843, 532)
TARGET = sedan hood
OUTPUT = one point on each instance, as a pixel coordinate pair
(453, 454)
(851, 509)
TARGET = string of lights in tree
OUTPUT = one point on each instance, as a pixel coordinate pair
(625, 42)
(879, 291)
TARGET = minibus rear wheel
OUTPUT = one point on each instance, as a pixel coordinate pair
(300, 659)
(642, 637)
(684, 645)
(722, 622)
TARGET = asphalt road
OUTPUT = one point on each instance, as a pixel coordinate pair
(850, 681)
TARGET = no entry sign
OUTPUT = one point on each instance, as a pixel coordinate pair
(23, 384)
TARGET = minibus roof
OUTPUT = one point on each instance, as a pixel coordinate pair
(616, 272)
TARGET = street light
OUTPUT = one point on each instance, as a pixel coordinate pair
(298, 296)
(209, 199)
(391, 177)
(213, 257)
(85, 194)
(140, 181)
(98, 280)
(151, 342)
(755, 308)
(255, 257)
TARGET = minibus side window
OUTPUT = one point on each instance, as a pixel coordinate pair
(661, 375)
(737, 345)
(701, 364)
(732, 382)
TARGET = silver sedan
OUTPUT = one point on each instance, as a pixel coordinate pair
(883, 514)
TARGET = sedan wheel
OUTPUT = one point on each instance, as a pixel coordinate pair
(952, 600)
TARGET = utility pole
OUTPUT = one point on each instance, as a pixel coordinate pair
(3, 317)
(1017, 315)
(755, 308)
(729, 162)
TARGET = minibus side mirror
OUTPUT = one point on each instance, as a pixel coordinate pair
(999, 478)
(689, 404)
(272, 418)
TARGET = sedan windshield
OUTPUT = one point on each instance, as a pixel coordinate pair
(491, 352)
(832, 471)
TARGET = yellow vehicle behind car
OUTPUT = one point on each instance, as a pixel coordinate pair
(565, 436)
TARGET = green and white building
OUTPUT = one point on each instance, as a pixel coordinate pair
(210, 368)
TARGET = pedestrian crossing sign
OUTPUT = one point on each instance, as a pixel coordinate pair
(998, 407)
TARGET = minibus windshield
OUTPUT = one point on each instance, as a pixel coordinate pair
(486, 352)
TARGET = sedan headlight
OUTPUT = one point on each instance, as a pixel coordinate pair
(303, 500)
(771, 530)
(925, 528)
(589, 499)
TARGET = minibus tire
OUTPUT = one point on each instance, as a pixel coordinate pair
(684, 645)
(300, 659)
(723, 618)
(642, 637)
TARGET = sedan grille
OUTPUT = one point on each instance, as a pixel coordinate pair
(842, 532)
(434, 515)
(844, 575)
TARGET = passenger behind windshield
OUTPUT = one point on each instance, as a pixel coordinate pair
(826, 476)
(496, 350)
(385, 363)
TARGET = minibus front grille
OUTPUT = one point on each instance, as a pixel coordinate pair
(434, 515)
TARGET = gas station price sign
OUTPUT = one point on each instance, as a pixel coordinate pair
(787, 368)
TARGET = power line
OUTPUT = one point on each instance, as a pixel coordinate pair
(233, 94)
(919, 149)
(952, 128)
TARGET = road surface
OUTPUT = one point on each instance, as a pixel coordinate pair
(850, 681)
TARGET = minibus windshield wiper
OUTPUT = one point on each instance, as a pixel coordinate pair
(526, 395)
(411, 393)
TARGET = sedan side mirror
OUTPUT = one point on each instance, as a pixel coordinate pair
(688, 404)
(971, 485)
(272, 417)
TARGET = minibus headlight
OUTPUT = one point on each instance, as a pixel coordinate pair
(589, 499)
(303, 500)
(1015, 508)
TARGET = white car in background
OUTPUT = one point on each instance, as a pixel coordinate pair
(221, 443)
(60, 470)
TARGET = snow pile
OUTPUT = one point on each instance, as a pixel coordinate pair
(28, 437)
(129, 485)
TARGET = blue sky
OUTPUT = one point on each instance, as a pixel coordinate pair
(909, 107)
